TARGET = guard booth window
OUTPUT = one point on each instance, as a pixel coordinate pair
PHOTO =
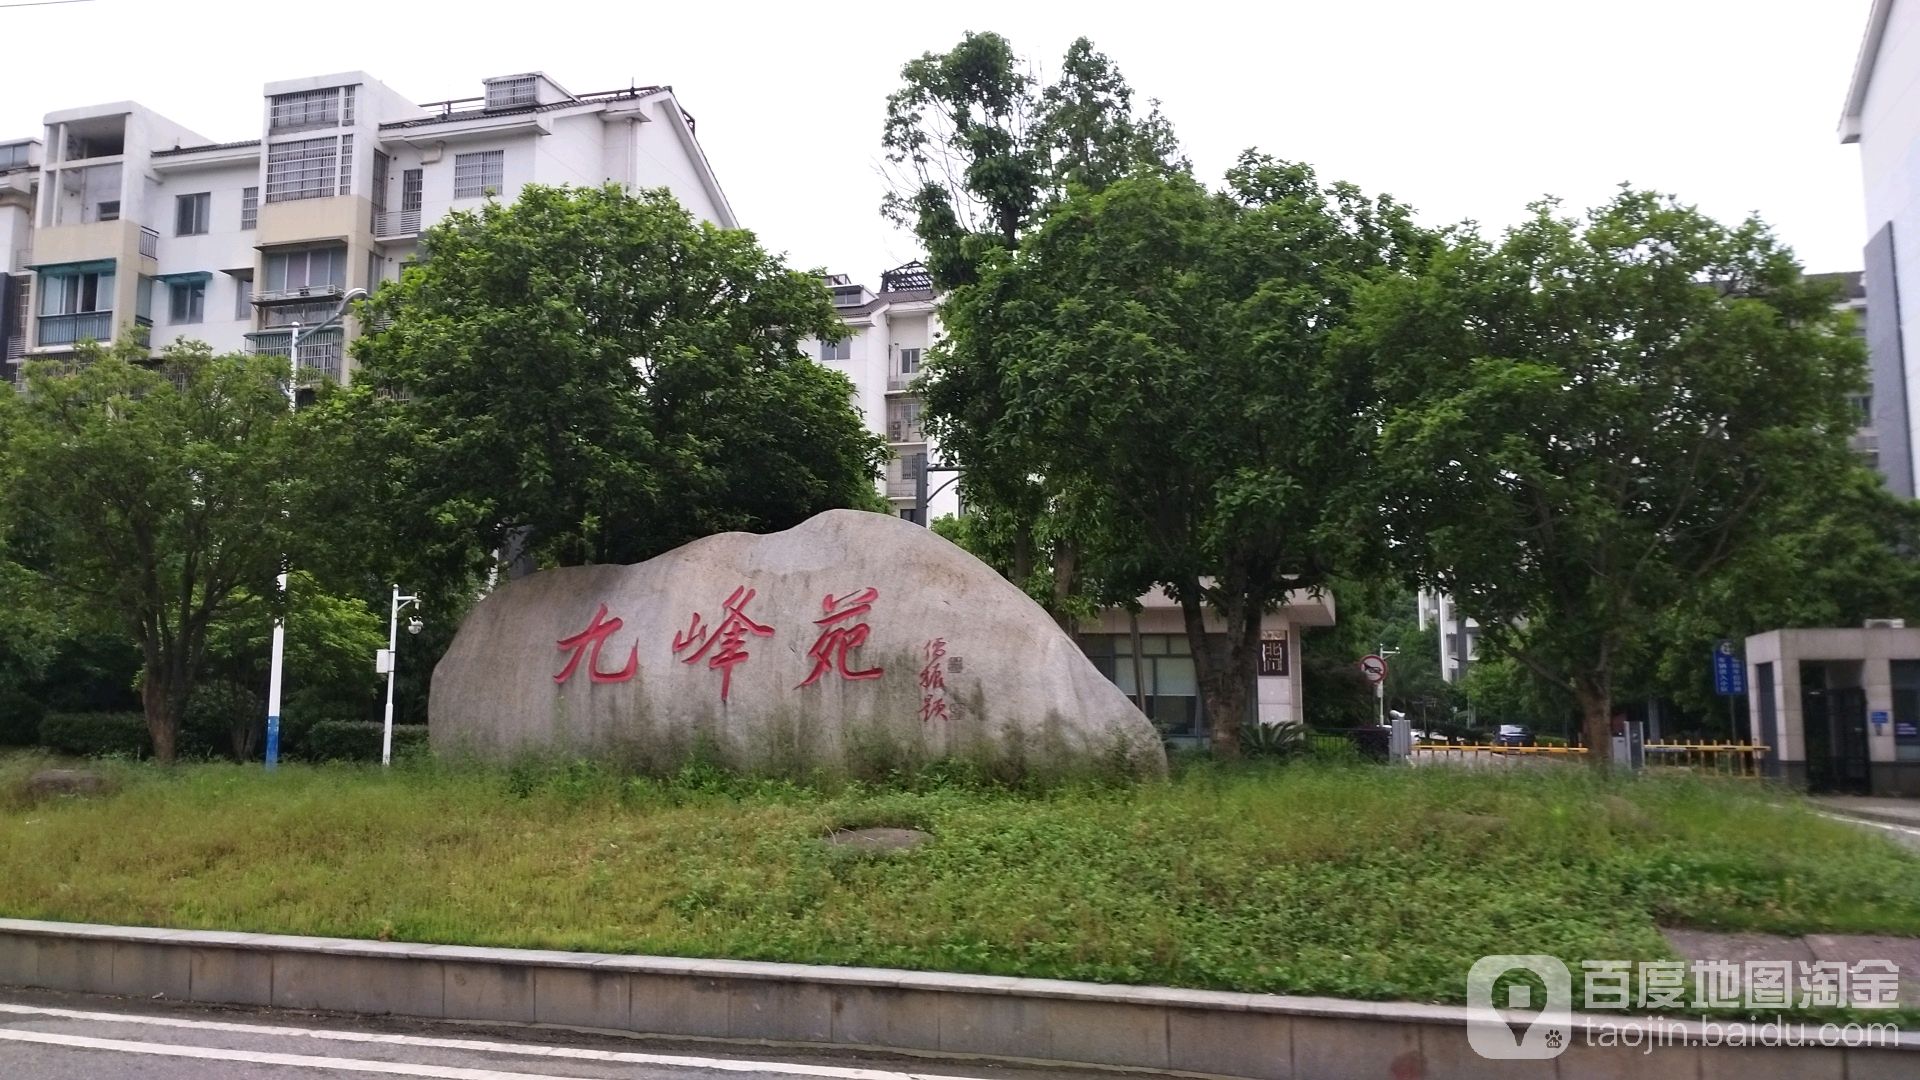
(1906, 710)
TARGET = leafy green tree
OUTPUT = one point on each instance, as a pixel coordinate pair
(981, 153)
(330, 645)
(1835, 550)
(155, 494)
(1585, 421)
(1168, 356)
(591, 376)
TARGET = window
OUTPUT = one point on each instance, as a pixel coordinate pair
(346, 106)
(508, 93)
(1862, 408)
(187, 302)
(192, 213)
(478, 173)
(410, 184)
(836, 350)
(109, 210)
(306, 109)
(903, 421)
(306, 268)
(73, 294)
(346, 164)
(302, 169)
(249, 207)
(909, 361)
(1167, 677)
(14, 157)
(242, 298)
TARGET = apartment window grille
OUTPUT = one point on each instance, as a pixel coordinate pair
(192, 214)
(302, 169)
(187, 302)
(478, 174)
(109, 210)
(411, 184)
(305, 109)
(346, 106)
(249, 207)
(836, 350)
(509, 93)
(346, 164)
(306, 268)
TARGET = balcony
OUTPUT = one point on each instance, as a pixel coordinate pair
(320, 352)
(901, 489)
(396, 224)
(329, 291)
(898, 383)
(73, 329)
(905, 432)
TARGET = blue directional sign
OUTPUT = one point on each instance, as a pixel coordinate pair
(1729, 674)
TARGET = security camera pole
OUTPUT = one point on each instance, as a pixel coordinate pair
(385, 661)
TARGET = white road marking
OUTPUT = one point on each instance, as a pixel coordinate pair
(485, 1046)
(1887, 825)
(255, 1057)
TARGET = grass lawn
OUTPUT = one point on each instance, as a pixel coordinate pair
(1354, 881)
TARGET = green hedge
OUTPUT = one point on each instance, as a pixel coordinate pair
(359, 740)
(95, 734)
(20, 718)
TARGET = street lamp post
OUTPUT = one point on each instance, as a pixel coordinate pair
(390, 662)
(294, 335)
(922, 498)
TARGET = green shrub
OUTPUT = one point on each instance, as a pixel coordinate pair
(19, 719)
(1272, 742)
(96, 734)
(359, 740)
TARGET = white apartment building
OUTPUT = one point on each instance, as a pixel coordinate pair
(1882, 115)
(890, 333)
(1459, 634)
(122, 218)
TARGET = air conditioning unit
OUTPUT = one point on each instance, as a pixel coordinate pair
(110, 210)
(894, 430)
(1886, 624)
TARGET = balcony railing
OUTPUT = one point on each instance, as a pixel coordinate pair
(149, 243)
(396, 223)
(304, 292)
(902, 431)
(897, 382)
(320, 352)
(72, 329)
(900, 489)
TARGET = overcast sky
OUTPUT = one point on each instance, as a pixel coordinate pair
(1465, 109)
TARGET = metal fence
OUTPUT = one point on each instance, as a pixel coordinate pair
(1717, 759)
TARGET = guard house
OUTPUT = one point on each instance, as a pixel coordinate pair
(1840, 707)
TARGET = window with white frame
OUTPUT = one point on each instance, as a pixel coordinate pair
(249, 207)
(909, 361)
(302, 169)
(187, 302)
(346, 164)
(305, 268)
(192, 214)
(75, 293)
(508, 93)
(242, 298)
(15, 156)
(307, 109)
(836, 350)
(478, 173)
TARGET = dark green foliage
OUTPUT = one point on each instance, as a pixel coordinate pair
(359, 740)
(1272, 742)
(99, 734)
(20, 717)
(590, 376)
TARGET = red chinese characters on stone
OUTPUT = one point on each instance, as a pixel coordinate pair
(731, 632)
(933, 682)
(587, 643)
(839, 635)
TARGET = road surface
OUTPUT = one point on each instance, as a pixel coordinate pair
(49, 1036)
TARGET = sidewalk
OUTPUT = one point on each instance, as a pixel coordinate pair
(1891, 811)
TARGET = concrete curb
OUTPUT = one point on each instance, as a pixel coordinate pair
(1882, 817)
(1260, 1036)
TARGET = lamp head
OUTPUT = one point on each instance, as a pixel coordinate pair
(414, 625)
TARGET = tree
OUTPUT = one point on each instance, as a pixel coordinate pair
(979, 158)
(1169, 364)
(154, 494)
(592, 373)
(1584, 422)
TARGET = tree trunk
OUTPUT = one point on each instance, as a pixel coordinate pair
(1022, 554)
(157, 701)
(1225, 665)
(1596, 721)
(1066, 563)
